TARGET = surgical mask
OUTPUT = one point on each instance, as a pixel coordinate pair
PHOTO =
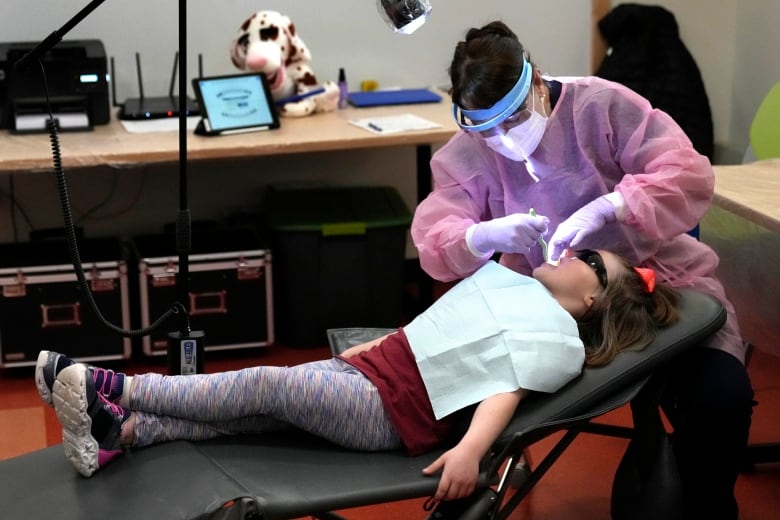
(519, 142)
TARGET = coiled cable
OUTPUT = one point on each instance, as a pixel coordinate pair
(177, 308)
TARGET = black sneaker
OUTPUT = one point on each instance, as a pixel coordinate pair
(91, 424)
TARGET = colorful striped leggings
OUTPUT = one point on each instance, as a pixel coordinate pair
(330, 399)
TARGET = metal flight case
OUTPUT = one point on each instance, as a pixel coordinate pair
(42, 306)
(230, 288)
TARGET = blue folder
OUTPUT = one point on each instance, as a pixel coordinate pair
(375, 98)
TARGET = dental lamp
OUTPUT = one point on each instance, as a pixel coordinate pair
(404, 16)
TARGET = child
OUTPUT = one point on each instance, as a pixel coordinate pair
(527, 334)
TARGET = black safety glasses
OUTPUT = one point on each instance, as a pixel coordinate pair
(595, 262)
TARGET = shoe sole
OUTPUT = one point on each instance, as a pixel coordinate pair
(40, 380)
(70, 403)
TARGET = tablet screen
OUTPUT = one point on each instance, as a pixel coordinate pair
(236, 102)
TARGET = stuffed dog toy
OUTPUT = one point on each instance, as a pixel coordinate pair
(267, 42)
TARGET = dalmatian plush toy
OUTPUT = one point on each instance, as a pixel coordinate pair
(267, 42)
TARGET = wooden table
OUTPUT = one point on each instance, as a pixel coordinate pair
(111, 145)
(751, 191)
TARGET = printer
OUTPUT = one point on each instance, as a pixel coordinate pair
(76, 74)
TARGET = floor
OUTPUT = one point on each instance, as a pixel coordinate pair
(578, 485)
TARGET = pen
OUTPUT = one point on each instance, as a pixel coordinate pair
(372, 126)
(299, 97)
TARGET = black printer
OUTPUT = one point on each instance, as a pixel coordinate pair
(76, 73)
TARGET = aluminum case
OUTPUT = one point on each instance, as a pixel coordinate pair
(230, 289)
(42, 306)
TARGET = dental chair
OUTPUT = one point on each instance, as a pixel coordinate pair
(292, 475)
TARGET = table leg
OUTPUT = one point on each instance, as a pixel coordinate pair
(424, 186)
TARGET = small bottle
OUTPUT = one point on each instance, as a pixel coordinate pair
(343, 89)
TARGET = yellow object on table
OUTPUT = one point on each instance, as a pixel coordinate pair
(368, 85)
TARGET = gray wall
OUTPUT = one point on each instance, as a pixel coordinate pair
(340, 33)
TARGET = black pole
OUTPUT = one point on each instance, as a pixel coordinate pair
(183, 224)
(55, 37)
(185, 347)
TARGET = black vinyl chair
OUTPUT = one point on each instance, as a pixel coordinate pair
(292, 474)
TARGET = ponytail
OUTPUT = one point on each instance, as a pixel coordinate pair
(627, 314)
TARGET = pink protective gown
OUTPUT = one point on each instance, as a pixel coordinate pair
(600, 137)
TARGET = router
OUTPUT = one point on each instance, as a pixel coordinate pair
(157, 107)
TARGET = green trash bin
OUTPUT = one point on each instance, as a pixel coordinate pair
(339, 256)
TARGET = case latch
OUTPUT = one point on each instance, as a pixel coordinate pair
(244, 271)
(167, 278)
(16, 290)
(99, 284)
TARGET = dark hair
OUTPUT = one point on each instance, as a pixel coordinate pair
(485, 66)
(625, 315)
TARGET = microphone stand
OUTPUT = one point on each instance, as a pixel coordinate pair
(56, 36)
(185, 347)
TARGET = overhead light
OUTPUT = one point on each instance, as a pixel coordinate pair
(404, 16)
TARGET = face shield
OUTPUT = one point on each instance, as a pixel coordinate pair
(509, 111)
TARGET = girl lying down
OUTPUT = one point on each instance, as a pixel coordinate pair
(489, 340)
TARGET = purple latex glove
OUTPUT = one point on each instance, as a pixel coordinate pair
(515, 233)
(586, 220)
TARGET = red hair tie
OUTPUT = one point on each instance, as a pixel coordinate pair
(648, 278)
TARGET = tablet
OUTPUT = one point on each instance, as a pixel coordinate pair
(235, 103)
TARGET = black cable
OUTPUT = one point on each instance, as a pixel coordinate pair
(55, 37)
(16, 206)
(13, 208)
(70, 234)
(96, 207)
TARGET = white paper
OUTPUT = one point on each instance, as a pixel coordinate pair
(37, 122)
(394, 124)
(164, 124)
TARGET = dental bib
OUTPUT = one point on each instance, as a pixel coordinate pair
(494, 332)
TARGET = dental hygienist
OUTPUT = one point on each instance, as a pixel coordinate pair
(602, 169)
